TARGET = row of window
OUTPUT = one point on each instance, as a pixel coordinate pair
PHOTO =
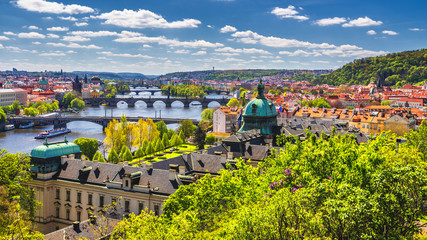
(372, 127)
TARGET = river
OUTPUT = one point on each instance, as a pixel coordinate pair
(22, 140)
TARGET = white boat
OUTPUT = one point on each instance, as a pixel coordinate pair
(28, 125)
(9, 127)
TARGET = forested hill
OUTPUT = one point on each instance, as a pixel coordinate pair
(238, 74)
(402, 68)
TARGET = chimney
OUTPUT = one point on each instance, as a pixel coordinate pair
(76, 226)
(172, 174)
(229, 155)
(204, 151)
(181, 170)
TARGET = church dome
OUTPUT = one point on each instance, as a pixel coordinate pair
(259, 113)
(43, 82)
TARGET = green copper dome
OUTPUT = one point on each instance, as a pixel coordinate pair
(259, 113)
(43, 82)
(49, 150)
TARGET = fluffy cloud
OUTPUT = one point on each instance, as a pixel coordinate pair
(51, 35)
(36, 43)
(227, 29)
(330, 21)
(416, 29)
(388, 32)
(33, 28)
(125, 55)
(75, 39)
(31, 35)
(300, 53)
(371, 32)
(9, 33)
(81, 24)
(122, 34)
(43, 6)
(182, 51)
(143, 19)
(169, 42)
(52, 54)
(243, 50)
(288, 12)
(4, 38)
(199, 53)
(57, 29)
(73, 45)
(362, 22)
(69, 18)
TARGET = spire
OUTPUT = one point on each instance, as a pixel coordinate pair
(260, 90)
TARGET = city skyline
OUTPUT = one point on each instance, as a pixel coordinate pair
(160, 37)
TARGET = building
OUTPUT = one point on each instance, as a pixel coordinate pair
(225, 119)
(259, 113)
(43, 84)
(399, 124)
(8, 96)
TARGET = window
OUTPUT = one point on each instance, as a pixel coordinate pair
(89, 199)
(127, 183)
(127, 206)
(363, 125)
(68, 214)
(101, 201)
(140, 207)
(68, 195)
(157, 210)
(58, 193)
(79, 197)
(114, 202)
(79, 214)
(57, 212)
(375, 127)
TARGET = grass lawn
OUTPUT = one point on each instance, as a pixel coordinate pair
(182, 149)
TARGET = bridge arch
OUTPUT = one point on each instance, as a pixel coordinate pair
(159, 104)
(122, 104)
(141, 104)
(177, 104)
(213, 103)
(195, 103)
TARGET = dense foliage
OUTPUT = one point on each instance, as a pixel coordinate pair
(318, 102)
(326, 188)
(401, 68)
(183, 90)
(88, 146)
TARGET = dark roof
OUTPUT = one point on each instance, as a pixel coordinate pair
(245, 136)
(203, 162)
(256, 152)
(86, 230)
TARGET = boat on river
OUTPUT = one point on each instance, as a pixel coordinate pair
(28, 125)
(9, 127)
(53, 133)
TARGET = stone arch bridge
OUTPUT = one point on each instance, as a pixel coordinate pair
(150, 101)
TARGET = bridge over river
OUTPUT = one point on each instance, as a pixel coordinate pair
(59, 122)
(150, 101)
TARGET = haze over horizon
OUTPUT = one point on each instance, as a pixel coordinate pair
(189, 35)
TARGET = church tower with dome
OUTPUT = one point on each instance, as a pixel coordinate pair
(260, 113)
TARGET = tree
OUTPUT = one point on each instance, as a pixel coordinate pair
(210, 139)
(127, 155)
(199, 137)
(233, 102)
(113, 157)
(171, 132)
(207, 114)
(161, 127)
(418, 139)
(181, 136)
(77, 104)
(150, 149)
(3, 117)
(139, 152)
(30, 111)
(66, 101)
(88, 146)
(386, 103)
(98, 157)
(186, 127)
(165, 140)
(173, 141)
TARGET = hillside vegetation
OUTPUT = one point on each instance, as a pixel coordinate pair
(402, 68)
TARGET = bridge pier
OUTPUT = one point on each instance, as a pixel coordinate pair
(150, 104)
(131, 104)
(168, 104)
(186, 104)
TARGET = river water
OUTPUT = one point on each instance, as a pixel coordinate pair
(22, 140)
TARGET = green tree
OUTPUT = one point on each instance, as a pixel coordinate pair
(207, 114)
(113, 157)
(139, 152)
(127, 155)
(161, 127)
(30, 111)
(418, 139)
(150, 150)
(88, 146)
(66, 101)
(186, 128)
(199, 137)
(234, 102)
(78, 104)
(181, 136)
(3, 117)
(210, 139)
(165, 140)
(98, 157)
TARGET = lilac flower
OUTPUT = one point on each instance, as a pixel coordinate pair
(288, 172)
(329, 177)
(294, 189)
(300, 186)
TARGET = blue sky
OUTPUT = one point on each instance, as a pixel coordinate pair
(161, 36)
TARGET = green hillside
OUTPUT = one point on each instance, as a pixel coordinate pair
(408, 67)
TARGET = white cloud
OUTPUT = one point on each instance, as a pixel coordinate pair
(321, 61)
(110, 54)
(243, 50)
(71, 51)
(278, 61)
(209, 26)
(300, 53)
(4, 38)
(75, 39)
(228, 28)
(146, 46)
(143, 19)
(169, 42)
(47, 18)
(58, 29)
(43, 6)
(69, 18)
(51, 35)
(288, 12)
(388, 32)
(33, 27)
(362, 22)
(1, 46)
(81, 24)
(31, 35)
(9, 33)
(371, 32)
(199, 53)
(73, 45)
(416, 29)
(36, 43)
(182, 51)
(94, 34)
(52, 54)
(330, 21)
